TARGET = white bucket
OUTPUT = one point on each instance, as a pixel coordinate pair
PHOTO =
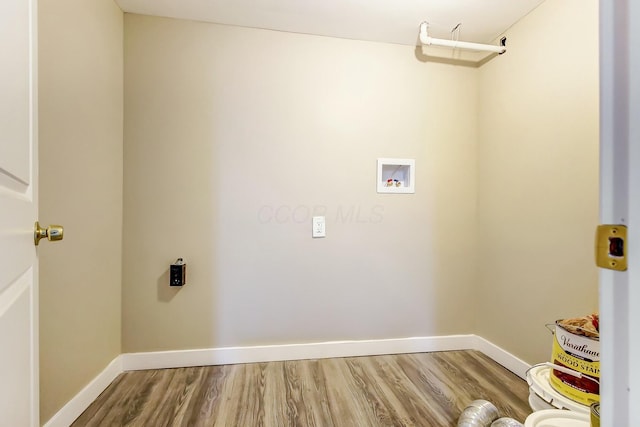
(536, 403)
(557, 418)
(542, 396)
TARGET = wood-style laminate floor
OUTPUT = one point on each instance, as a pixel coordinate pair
(421, 389)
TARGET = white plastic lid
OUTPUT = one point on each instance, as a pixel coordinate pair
(557, 418)
(538, 380)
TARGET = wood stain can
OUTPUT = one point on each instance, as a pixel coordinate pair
(580, 354)
(595, 415)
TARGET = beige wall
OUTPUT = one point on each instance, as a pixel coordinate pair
(234, 137)
(538, 178)
(81, 119)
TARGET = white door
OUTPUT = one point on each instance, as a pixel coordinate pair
(620, 204)
(18, 209)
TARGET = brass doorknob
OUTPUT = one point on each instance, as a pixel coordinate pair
(52, 233)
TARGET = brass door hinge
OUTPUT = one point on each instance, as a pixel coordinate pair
(611, 247)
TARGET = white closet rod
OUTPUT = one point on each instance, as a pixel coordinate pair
(455, 44)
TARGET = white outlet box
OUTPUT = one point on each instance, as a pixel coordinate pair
(396, 175)
(318, 226)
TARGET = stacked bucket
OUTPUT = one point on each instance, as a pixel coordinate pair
(571, 381)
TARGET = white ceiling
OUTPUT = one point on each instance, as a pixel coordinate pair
(392, 21)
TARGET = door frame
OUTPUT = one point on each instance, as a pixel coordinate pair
(620, 204)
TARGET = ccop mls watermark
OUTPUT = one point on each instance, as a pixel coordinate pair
(300, 214)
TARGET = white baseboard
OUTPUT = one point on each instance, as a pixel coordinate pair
(503, 357)
(269, 353)
(76, 406)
